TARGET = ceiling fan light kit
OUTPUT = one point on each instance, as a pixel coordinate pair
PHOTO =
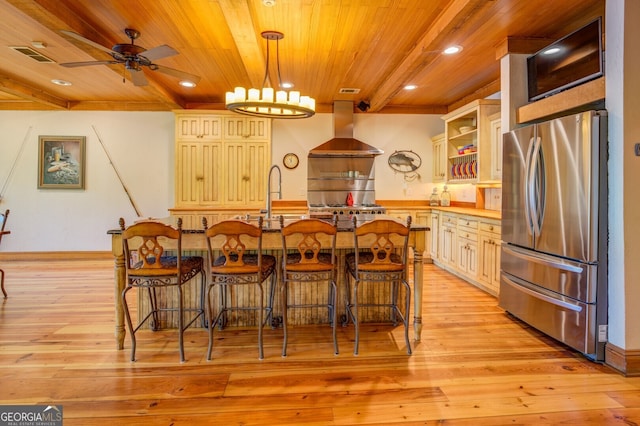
(267, 102)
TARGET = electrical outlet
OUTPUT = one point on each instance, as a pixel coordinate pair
(602, 333)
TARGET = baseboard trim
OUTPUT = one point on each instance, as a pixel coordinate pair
(625, 361)
(55, 255)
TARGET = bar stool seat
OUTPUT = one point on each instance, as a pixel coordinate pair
(305, 264)
(379, 259)
(148, 267)
(236, 267)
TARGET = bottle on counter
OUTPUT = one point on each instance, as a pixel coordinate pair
(434, 200)
(445, 198)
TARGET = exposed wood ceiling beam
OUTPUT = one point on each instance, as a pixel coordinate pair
(29, 93)
(56, 16)
(238, 17)
(451, 18)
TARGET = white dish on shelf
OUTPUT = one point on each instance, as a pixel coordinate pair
(466, 129)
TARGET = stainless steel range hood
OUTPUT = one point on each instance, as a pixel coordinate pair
(344, 144)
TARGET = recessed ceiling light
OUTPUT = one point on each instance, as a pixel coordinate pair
(451, 50)
(551, 51)
(187, 83)
(410, 87)
(61, 82)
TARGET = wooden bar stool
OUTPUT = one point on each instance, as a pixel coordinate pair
(148, 267)
(236, 267)
(3, 223)
(379, 259)
(308, 266)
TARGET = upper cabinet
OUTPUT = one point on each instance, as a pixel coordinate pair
(495, 127)
(468, 140)
(199, 127)
(439, 158)
(247, 128)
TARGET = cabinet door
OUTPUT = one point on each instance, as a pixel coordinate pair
(448, 246)
(198, 127)
(434, 225)
(250, 128)
(198, 178)
(246, 172)
(489, 267)
(439, 158)
(467, 262)
(496, 149)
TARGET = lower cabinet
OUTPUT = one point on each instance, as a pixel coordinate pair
(489, 268)
(448, 240)
(467, 246)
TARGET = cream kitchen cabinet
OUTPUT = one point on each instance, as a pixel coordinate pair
(221, 160)
(489, 265)
(246, 169)
(468, 142)
(448, 240)
(467, 247)
(495, 127)
(247, 128)
(199, 127)
(434, 224)
(439, 158)
(198, 179)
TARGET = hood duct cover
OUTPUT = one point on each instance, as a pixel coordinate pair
(344, 144)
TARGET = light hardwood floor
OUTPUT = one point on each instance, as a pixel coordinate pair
(474, 366)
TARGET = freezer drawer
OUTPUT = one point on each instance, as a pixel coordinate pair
(569, 321)
(568, 277)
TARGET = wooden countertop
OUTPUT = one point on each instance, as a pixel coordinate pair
(284, 206)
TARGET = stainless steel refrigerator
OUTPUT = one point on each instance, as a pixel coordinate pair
(554, 229)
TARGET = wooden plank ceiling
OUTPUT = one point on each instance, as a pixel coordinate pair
(376, 46)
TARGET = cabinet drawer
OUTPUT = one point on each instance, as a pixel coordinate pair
(491, 227)
(468, 235)
(448, 219)
(468, 223)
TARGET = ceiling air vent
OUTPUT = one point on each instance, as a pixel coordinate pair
(27, 51)
(349, 91)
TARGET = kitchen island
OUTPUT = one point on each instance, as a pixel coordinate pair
(193, 241)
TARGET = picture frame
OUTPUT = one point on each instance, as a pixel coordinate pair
(61, 162)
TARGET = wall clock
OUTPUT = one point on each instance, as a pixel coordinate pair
(291, 160)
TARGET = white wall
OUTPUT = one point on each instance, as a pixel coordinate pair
(141, 147)
(388, 132)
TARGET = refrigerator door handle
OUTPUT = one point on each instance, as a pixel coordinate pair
(528, 188)
(543, 297)
(541, 259)
(536, 186)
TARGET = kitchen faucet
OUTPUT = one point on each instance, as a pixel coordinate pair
(269, 191)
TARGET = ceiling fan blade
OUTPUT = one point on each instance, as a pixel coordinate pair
(84, 64)
(159, 52)
(138, 78)
(87, 41)
(176, 73)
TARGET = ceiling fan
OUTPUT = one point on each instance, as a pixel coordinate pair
(133, 57)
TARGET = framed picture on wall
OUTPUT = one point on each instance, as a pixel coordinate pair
(61, 162)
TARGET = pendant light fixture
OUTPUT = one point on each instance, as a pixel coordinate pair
(266, 103)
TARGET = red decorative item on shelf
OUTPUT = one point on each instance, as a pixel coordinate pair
(350, 199)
